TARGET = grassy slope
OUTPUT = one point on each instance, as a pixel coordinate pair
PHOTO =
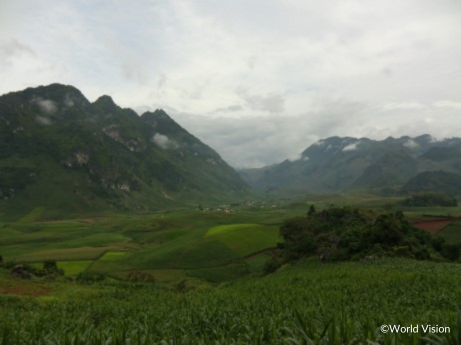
(245, 239)
(211, 245)
(169, 244)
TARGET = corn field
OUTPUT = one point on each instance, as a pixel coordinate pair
(308, 303)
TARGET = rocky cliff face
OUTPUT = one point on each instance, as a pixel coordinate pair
(56, 145)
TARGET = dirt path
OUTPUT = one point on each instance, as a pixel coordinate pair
(259, 253)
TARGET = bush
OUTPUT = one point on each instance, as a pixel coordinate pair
(450, 252)
(341, 233)
(431, 199)
(89, 277)
(437, 243)
(140, 277)
(50, 265)
(272, 265)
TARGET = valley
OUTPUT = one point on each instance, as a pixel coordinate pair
(117, 228)
(180, 172)
(215, 244)
(169, 245)
(195, 276)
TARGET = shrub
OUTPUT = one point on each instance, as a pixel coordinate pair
(272, 265)
(450, 251)
(430, 199)
(140, 277)
(341, 233)
(89, 277)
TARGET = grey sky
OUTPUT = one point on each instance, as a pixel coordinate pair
(257, 80)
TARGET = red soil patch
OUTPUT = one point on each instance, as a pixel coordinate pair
(434, 226)
(21, 288)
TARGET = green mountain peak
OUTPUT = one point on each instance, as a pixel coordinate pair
(61, 152)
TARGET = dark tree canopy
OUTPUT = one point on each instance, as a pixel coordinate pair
(431, 199)
(343, 233)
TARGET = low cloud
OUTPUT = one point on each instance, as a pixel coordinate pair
(351, 147)
(257, 141)
(298, 157)
(215, 60)
(43, 120)
(164, 142)
(47, 106)
(411, 144)
(320, 143)
(295, 157)
(68, 102)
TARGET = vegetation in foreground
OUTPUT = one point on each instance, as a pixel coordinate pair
(304, 302)
(307, 303)
(344, 233)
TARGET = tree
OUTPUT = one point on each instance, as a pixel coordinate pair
(346, 232)
(430, 199)
(50, 265)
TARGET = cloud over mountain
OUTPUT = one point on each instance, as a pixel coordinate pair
(291, 66)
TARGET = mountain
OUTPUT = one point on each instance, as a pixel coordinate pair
(59, 151)
(434, 181)
(347, 164)
(391, 170)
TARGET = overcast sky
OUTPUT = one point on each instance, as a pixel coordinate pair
(257, 80)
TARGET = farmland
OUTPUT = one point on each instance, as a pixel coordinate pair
(211, 244)
(215, 244)
(306, 303)
(205, 284)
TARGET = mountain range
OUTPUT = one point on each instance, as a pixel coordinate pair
(60, 151)
(387, 167)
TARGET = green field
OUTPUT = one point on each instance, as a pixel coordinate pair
(452, 233)
(210, 245)
(245, 239)
(73, 268)
(191, 242)
(306, 303)
(205, 286)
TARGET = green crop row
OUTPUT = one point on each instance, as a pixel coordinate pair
(308, 303)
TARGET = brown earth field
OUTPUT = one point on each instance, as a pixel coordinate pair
(434, 226)
(20, 288)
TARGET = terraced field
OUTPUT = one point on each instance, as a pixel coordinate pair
(209, 245)
(215, 245)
